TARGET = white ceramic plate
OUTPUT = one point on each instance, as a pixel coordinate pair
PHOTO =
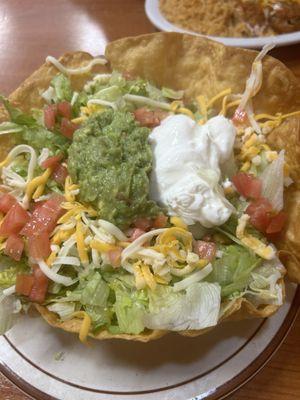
(207, 367)
(158, 20)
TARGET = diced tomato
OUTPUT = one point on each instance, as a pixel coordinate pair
(52, 162)
(14, 221)
(160, 221)
(149, 118)
(36, 205)
(205, 250)
(115, 257)
(260, 212)
(136, 233)
(64, 109)
(247, 185)
(59, 174)
(24, 284)
(143, 223)
(262, 204)
(49, 116)
(39, 246)
(6, 202)
(14, 247)
(45, 217)
(277, 223)
(67, 128)
(40, 286)
(240, 117)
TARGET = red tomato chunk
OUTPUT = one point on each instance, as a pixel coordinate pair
(52, 162)
(44, 218)
(14, 221)
(6, 202)
(14, 247)
(205, 250)
(149, 118)
(68, 128)
(64, 109)
(49, 116)
(40, 286)
(39, 246)
(24, 284)
(247, 185)
(59, 174)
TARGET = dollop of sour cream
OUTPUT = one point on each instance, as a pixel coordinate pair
(187, 168)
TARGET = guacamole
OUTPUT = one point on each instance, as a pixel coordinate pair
(110, 159)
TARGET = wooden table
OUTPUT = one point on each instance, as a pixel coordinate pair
(32, 29)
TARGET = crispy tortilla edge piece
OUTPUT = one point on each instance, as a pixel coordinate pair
(28, 96)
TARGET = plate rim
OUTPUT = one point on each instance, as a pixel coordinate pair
(160, 22)
(244, 376)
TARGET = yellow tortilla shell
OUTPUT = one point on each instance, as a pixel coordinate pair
(198, 66)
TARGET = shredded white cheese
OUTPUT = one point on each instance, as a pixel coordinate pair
(75, 71)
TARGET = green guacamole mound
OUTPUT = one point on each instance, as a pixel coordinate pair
(111, 159)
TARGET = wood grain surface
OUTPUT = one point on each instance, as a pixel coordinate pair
(32, 29)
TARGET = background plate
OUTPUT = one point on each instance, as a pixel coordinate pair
(158, 20)
(173, 367)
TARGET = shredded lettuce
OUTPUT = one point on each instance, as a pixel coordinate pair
(81, 100)
(62, 87)
(10, 307)
(34, 134)
(130, 306)
(273, 182)
(16, 115)
(197, 308)
(9, 127)
(96, 291)
(39, 138)
(91, 294)
(64, 310)
(92, 290)
(111, 93)
(116, 86)
(172, 94)
(263, 287)
(233, 270)
(100, 316)
(20, 165)
(9, 269)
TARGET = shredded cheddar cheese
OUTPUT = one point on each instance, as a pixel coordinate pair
(260, 248)
(69, 188)
(246, 166)
(140, 282)
(177, 107)
(148, 276)
(251, 141)
(85, 326)
(102, 246)
(61, 236)
(79, 120)
(218, 96)
(39, 181)
(176, 221)
(160, 280)
(82, 251)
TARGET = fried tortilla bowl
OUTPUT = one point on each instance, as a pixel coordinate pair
(199, 66)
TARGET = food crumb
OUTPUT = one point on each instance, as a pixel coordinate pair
(59, 356)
